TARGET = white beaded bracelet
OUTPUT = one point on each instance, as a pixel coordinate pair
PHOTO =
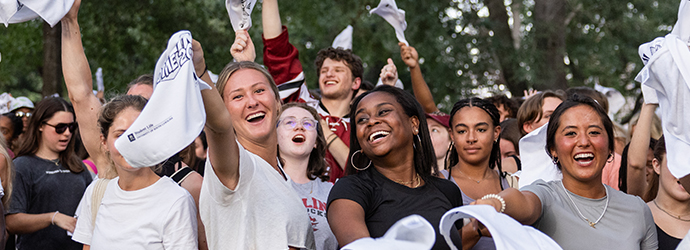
(499, 198)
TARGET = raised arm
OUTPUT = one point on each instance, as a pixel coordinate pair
(223, 151)
(270, 19)
(419, 87)
(523, 206)
(77, 74)
(637, 152)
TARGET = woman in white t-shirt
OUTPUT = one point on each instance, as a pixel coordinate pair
(138, 209)
(302, 151)
(243, 177)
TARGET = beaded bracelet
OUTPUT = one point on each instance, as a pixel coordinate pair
(499, 198)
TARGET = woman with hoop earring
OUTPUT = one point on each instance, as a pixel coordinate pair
(392, 170)
(580, 212)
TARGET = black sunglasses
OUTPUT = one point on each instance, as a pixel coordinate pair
(61, 127)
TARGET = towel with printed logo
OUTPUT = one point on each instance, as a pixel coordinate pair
(175, 114)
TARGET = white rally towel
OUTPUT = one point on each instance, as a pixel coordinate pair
(5, 101)
(615, 98)
(344, 39)
(665, 80)
(174, 116)
(536, 164)
(240, 12)
(410, 233)
(17, 11)
(394, 16)
(99, 79)
(506, 232)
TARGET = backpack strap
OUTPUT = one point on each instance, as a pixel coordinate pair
(181, 174)
(96, 198)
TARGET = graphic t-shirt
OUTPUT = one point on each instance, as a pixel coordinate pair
(43, 186)
(314, 195)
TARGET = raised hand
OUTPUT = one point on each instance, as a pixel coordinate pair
(409, 55)
(389, 73)
(243, 47)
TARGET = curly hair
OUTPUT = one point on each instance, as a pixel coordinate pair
(337, 54)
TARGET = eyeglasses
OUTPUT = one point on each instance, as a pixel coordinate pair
(21, 114)
(291, 123)
(61, 127)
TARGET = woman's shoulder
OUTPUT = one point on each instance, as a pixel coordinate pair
(626, 199)
(442, 183)
(351, 180)
(24, 159)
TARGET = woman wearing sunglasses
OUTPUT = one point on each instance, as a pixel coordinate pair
(302, 149)
(50, 180)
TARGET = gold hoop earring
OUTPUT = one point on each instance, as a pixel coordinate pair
(352, 160)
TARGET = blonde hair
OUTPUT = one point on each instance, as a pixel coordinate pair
(233, 67)
(8, 174)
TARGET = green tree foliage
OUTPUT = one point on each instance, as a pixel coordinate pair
(465, 45)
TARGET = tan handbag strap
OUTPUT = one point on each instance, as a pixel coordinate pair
(96, 197)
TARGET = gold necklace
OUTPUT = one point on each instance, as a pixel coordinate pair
(405, 183)
(669, 214)
(467, 176)
(591, 223)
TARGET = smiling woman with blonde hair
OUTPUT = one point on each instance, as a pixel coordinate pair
(243, 174)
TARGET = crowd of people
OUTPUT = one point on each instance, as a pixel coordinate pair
(282, 166)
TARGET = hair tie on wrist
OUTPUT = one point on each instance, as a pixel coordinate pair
(52, 220)
(205, 69)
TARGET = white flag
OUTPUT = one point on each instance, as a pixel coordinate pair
(240, 12)
(665, 80)
(396, 17)
(52, 11)
(344, 39)
(175, 114)
(506, 232)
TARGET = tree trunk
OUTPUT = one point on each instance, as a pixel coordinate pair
(51, 60)
(503, 42)
(549, 31)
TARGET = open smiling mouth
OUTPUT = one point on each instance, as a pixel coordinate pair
(298, 139)
(378, 135)
(256, 117)
(584, 158)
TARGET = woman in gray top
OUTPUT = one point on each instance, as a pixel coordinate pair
(302, 149)
(580, 212)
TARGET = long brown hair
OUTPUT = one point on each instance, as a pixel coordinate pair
(45, 110)
(653, 185)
